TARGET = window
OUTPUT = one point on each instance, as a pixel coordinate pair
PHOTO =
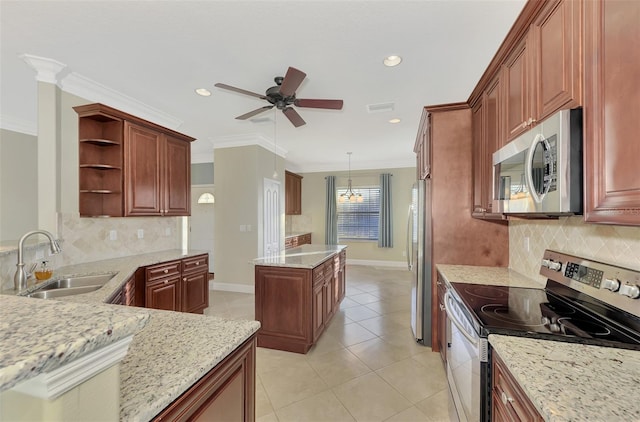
(359, 220)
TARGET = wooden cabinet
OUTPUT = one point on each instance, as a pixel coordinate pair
(298, 240)
(226, 393)
(195, 284)
(519, 97)
(612, 96)
(508, 401)
(295, 305)
(443, 332)
(181, 285)
(422, 147)
(130, 166)
(293, 193)
(126, 295)
(157, 176)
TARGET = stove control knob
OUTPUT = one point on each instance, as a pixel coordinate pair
(545, 263)
(612, 284)
(555, 266)
(631, 290)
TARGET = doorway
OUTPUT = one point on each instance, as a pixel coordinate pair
(201, 227)
(271, 216)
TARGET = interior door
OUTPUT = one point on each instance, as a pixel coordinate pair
(271, 215)
(201, 223)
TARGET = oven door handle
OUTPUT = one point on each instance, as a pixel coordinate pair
(452, 317)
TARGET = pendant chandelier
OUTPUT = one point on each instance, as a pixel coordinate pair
(349, 195)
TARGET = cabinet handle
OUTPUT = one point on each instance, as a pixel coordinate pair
(166, 281)
(442, 308)
(197, 262)
(506, 399)
(166, 271)
(184, 279)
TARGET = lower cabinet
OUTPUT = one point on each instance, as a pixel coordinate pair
(195, 284)
(508, 401)
(163, 294)
(226, 393)
(443, 332)
(295, 305)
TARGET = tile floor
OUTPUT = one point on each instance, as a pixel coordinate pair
(365, 367)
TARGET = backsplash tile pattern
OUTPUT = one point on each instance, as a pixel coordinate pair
(618, 245)
(87, 240)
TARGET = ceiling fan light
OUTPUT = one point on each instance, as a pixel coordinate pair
(203, 92)
(391, 61)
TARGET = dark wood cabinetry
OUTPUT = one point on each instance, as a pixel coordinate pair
(299, 240)
(294, 305)
(226, 393)
(443, 342)
(181, 285)
(508, 401)
(612, 97)
(293, 193)
(519, 96)
(131, 167)
(422, 147)
(126, 295)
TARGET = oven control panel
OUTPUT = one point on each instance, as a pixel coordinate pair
(583, 274)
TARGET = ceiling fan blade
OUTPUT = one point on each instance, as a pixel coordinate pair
(292, 81)
(293, 116)
(331, 104)
(254, 112)
(241, 91)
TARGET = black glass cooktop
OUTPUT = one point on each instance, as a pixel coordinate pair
(543, 314)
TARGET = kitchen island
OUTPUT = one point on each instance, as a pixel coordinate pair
(173, 355)
(297, 294)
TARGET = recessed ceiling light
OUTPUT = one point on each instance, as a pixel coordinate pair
(396, 120)
(392, 61)
(203, 91)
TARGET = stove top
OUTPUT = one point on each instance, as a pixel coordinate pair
(584, 301)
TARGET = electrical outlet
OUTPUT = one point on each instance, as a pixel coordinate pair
(113, 235)
(243, 228)
(248, 227)
(140, 233)
(167, 231)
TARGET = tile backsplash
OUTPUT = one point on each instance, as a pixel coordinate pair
(618, 245)
(88, 239)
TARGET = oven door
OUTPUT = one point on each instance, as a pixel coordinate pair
(466, 363)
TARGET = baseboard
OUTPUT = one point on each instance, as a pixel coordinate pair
(373, 263)
(231, 287)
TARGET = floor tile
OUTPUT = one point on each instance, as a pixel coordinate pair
(412, 414)
(376, 353)
(322, 407)
(439, 407)
(369, 398)
(350, 334)
(263, 404)
(383, 325)
(358, 313)
(412, 380)
(364, 298)
(338, 367)
(292, 383)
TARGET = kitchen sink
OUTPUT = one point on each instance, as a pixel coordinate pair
(71, 286)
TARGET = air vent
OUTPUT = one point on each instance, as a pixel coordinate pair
(379, 108)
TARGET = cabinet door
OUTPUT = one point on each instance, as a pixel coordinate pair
(557, 33)
(176, 197)
(508, 397)
(318, 310)
(195, 292)
(517, 94)
(612, 95)
(479, 141)
(293, 194)
(442, 322)
(142, 170)
(164, 294)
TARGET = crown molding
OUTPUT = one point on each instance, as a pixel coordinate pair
(79, 85)
(47, 70)
(15, 124)
(361, 165)
(248, 139)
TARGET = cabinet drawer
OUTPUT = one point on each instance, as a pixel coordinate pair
(510, 396)
(195, 264)
(166, 269)
(318, 273)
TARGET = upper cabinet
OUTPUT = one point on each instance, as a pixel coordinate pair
(131, 167)
(518, 96)
(612, 96)
(422, 147)
(293, 193)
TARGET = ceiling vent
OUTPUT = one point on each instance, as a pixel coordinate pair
(379, 108)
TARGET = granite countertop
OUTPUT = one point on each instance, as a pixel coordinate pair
(494, 276)
(574, 382)
(161, 363)
(305, 256)
(38, 336)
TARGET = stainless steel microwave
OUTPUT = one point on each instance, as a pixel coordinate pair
(540, 172)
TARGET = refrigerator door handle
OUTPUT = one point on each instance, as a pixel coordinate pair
(409, 246)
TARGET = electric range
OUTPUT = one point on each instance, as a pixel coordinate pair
(584, 301)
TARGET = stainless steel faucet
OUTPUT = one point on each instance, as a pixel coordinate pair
(20, 278)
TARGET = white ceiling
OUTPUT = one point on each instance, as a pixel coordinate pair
(158, 52)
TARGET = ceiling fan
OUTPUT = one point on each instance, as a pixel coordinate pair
(283, 96)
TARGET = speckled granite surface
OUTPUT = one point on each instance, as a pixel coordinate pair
(496, 276)
(305, 256)
(574, 382)
(38, 336)
(165, 358)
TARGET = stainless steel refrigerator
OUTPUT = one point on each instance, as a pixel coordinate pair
(419, 260)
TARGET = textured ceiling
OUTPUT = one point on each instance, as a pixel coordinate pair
(158, 52)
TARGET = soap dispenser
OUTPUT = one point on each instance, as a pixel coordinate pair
(44, 272)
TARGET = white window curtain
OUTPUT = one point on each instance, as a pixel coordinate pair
(331, 217)
(385, 221)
